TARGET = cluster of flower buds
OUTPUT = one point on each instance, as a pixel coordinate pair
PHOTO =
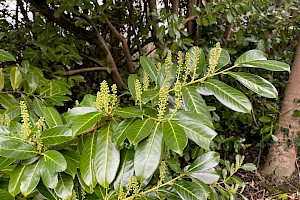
(106, 100)
(214, 57)
(26, 125)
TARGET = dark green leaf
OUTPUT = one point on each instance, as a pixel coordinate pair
(4, 162)
(119, 135)
(224, 59)
(38, 107)
(107, 157)
(54, 161)
(126, 170)
(183, 116)
(206, 161)
(139, 129)
(52, 117)
(129, 112)
(174, 137)
(56, 135)
(47, 192)
(16, 149)
(30, 178)
(4, 195)
(208, 176)
(229, 96)
(5, 56)
(15, 180)
(87, 161)
(73, 161)
(271, 65)
(85, 122)
(8, 101)
(256, 83)
(149, 95)
(131, 84)
(49, 177)
(64, 186)
(88, 100)
(189, 190)
(1, 80)
(149, 67)
(148, 154)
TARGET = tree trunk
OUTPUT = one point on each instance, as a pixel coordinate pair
(175, 7)
(283, 154)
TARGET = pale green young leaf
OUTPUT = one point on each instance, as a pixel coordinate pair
(52, 117)
(107, 157)
(174, 136)
(85, 122)
(249, 56)
(229, 96)
(5, 56)
(188, 190)
(15, 180)
(148, 154)
(125, 171)
(255, 83)
(64, 186)
(248, 166)
(15, 78)
(87, 161)
(33, 80)
(30, 178)
(139, 129)
(55, 161)
(149, 67)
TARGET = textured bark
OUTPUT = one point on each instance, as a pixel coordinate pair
(190, 16)
(283, 154)
(175, 7)
(153, 9)
(228, 31)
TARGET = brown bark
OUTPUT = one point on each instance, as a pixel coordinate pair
(190, 17)
(228, 31)
(175, 6)
(153, 9)
(283, 154)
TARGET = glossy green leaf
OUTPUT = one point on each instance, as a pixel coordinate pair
(47, 192)
(188, 190)
(16, 149)
(15, 78)
(52, 117)
(107, 157)
(38, 106)
(87, 161)
(167, 193)
(174, 136)
(199, 133)
(149, 95)
(271, 65)
(85, 122)
(206, 161)
(149, 67)
(139, 129)
(223, 60)
(55, 161)
(88, 100)
(126, 170)
(129, 112)
(208, 176)
(73, 161)
(8, 101)
(249, 56)
(148, 154)
(64, 186)
(56, 135)
(131, 85)
(81, 110)
(30, 178)
(15, 180)
(1, 80)
(49, 177)
(119, 135)
(194, 102)
(4, 195)
(200, 55)
(85, 187)
(5, 56)
(182, 116)
(256, 83)
(229, 96)
(4, 162)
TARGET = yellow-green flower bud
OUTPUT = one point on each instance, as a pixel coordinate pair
(196, 59)
(187, 65)
(26, 126)
(158, 66)
(163, 170)
(1, 119)
(138, 91)
(146, 81)
(76, 102)
(178, 100)
(179, 67)
(214, 57)
(7, 120)
(162, 101)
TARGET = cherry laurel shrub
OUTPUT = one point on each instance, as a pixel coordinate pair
(99, 150)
